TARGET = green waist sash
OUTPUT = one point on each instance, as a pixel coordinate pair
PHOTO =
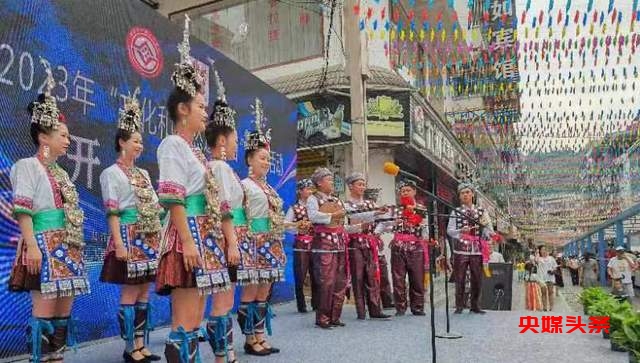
(129, 216)
(195, 205)
(239, 217)
(261, 225)
(48, 220)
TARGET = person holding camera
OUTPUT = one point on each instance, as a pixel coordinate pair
(622, 267)
(546, 266)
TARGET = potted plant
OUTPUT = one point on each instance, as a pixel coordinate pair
(590, 296)
(604, 307)
(621, 313)
(628, 336)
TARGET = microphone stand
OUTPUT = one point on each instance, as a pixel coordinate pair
(447, 334)
(431, 305)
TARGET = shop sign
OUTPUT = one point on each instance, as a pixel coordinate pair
(321, 127)
(387, 115)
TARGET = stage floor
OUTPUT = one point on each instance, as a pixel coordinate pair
(493, 337)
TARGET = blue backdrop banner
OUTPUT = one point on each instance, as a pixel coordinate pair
(100, 51)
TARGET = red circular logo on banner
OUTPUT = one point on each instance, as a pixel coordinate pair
(144, 52)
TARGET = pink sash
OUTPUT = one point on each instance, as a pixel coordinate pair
(410, 238)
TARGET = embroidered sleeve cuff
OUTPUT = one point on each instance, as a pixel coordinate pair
(20, 210)
(171, 193)
(111, 206)
(22, 205)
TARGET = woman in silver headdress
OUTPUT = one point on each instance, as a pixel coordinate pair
(133, 214)
(49, 263)
(192, 264)
(262, 253)
(222, 140)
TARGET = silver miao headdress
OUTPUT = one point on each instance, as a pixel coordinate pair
(256, 138)
(223, 115)
(46, 113)
(130, 118)
(186, 77)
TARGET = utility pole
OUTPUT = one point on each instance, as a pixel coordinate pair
(358, 72)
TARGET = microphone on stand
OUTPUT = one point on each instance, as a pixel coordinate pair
(393, 169)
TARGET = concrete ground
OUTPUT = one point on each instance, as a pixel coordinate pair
(494, 337)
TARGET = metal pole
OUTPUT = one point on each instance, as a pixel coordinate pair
(619, 234)
(602, 245)
(357, 70)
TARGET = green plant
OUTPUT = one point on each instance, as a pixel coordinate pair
(619, 314)
(628, 336)
(603, 307)
(592, 295)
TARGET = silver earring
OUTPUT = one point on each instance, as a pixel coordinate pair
(45, 151)
(250, 171)
(124, 153)
(184, 122)
(223, 153)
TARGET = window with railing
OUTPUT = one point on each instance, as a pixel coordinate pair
(260, 33)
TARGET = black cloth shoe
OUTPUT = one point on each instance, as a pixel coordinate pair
(152, 357)
(326, 326)
(381, 317)
(128, 357)
(337, 323)
(458, 311)
(270, 349)
(418, 313)
(248, 348)
(399, 313)
(478, 311)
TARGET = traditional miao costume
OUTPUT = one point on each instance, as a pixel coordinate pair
(329, 255)
(263, 251)
(129, 195)
(409, 256)
(231, 195)
(363, 258)
(46, 193)
(185, 179)
(302, 265)
(470, 249)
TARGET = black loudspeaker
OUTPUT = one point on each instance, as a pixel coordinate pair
(497, 290)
